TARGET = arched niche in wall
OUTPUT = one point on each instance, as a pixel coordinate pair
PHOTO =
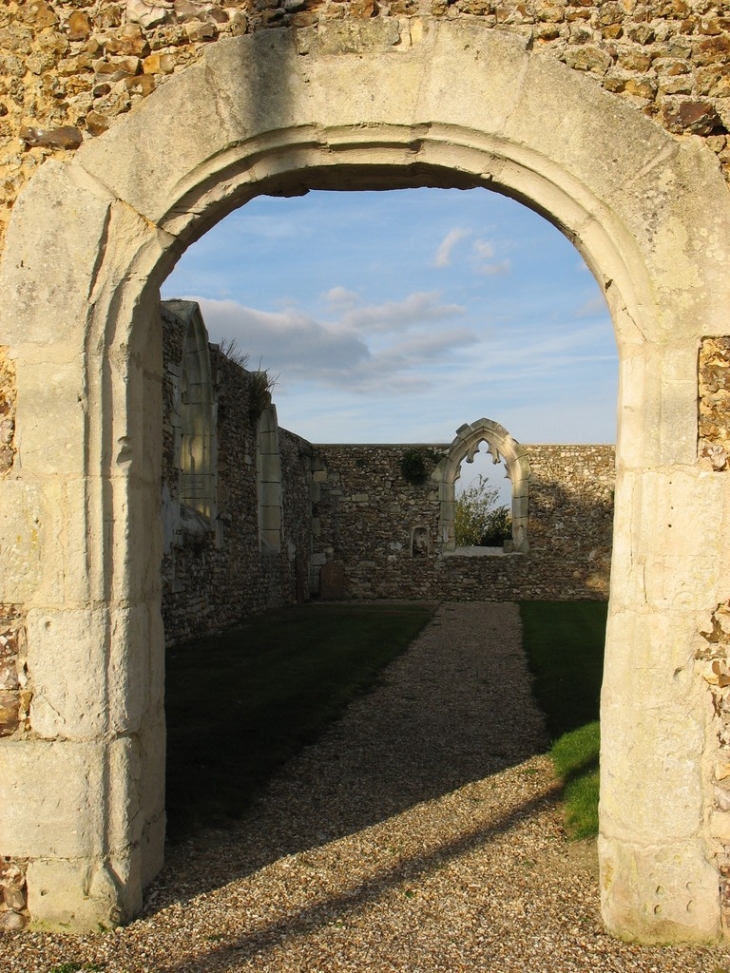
(268, 480)
(501, 446)
(197, 449)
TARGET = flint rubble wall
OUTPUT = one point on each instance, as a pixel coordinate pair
(69, 68)
(365, 515)
(215, 573)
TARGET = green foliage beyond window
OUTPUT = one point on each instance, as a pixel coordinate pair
(477, 521)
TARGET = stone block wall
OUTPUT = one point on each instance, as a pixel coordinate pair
(367, 516)
(80, 543)
(571, 513)
(68, 70)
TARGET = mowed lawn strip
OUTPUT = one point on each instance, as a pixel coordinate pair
(241, 703)
(564, 642)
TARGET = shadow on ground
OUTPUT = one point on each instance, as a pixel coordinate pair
(455, 708)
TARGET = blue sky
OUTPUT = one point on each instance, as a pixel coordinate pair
(398, 316)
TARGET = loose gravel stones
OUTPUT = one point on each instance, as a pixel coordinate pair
(422, 834)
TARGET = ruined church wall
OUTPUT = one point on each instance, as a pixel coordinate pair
(366, 514)
(70, 68)
(352, 504)
(213, 578)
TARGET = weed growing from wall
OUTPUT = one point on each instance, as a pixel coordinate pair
(262, 385)
(417, 465)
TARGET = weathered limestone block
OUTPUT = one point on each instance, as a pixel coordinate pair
(53, 886)
(672, 892)
(54, 395)
(669, 565)
(73, 222)
(105, 677)
(65, 812)
(21, 535)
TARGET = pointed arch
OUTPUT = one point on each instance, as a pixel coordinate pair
(500, 445)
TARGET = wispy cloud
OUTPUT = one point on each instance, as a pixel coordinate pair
(484, 253)
(369, 348)
(446, 247)
(289, 340)
(499, 269)
(484, 249)
(592, 307)
(417, 308)
(340, 297)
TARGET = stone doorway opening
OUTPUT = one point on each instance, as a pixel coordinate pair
(90, 242)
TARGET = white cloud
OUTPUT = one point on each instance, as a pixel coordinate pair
(445, 248)
(499, 269)
(426, 346)
(287, 340)
(415, 309)
(340, 297)
(339, 354)
(592, 307)
(485, 251)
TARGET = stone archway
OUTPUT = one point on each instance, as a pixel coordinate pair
(386, 104)
(501, 446)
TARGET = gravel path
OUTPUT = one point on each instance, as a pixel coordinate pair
(421, 834)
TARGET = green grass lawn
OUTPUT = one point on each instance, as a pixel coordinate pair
(564, 642)
(240, 704)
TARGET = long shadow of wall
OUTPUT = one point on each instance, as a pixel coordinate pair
(455, 709)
